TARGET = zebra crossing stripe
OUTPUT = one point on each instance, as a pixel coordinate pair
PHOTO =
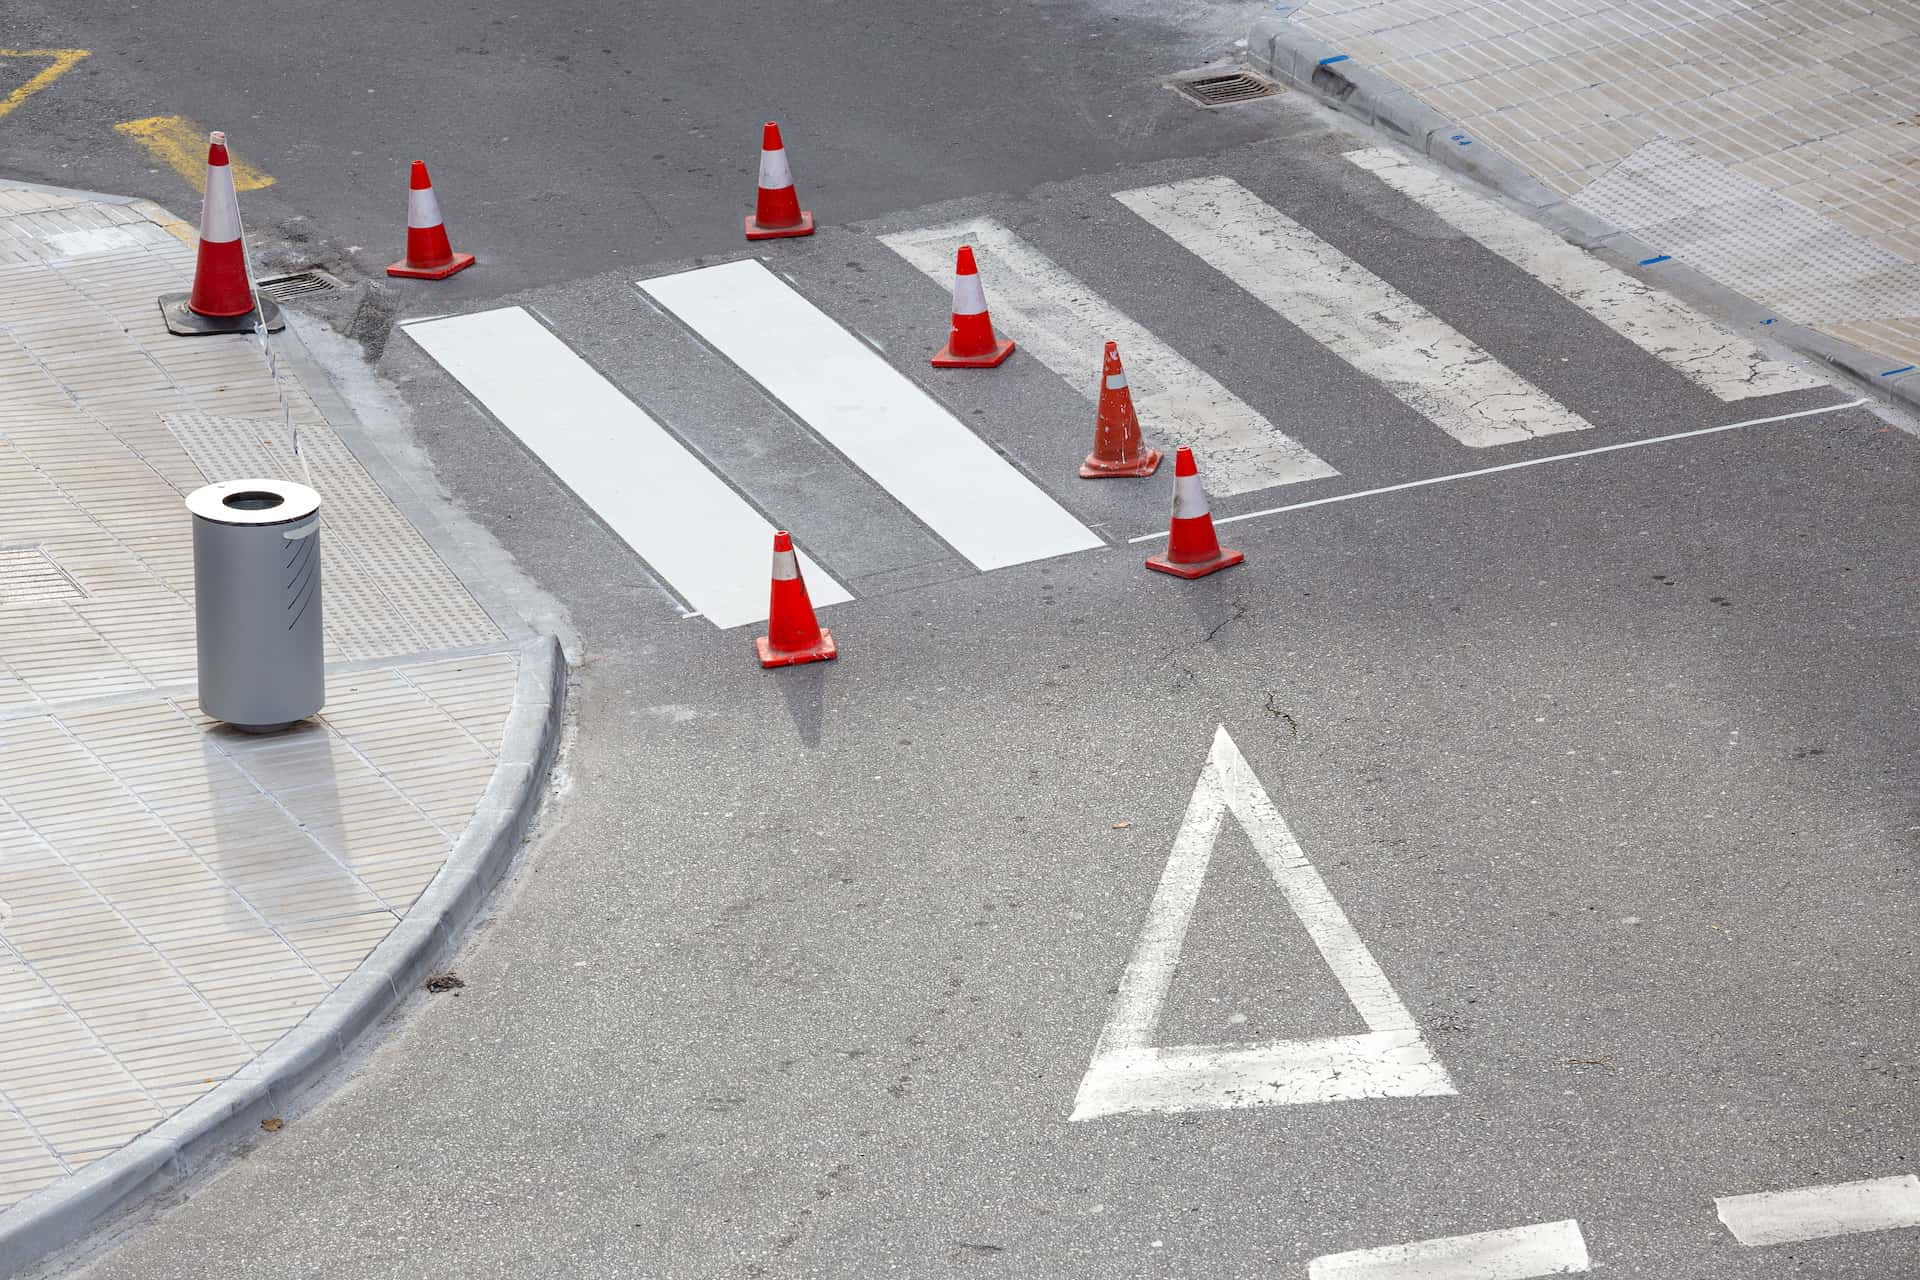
(1065, 325)
(947, 476)
(1358, 316)
(1812, 1213)
(676, 514)
(1517, 1253)
(1655, 321)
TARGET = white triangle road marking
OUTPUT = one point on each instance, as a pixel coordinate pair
(1129, 1073)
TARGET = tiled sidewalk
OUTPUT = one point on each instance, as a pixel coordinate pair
(174, 895)
(1773, 145)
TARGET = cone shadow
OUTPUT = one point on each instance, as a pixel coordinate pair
(805, 689)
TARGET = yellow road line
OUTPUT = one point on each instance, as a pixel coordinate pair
(181, 145)
(63, 62)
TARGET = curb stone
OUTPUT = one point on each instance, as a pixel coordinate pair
(1282, 50)
(63, 1213)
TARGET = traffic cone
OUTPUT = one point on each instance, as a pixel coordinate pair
(222, 299)
(793, 636)
(430, 255)
(1117, 450)
(776, 210)
(971, 343)
(1193, 549)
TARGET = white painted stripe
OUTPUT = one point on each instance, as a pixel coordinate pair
(662, 500)
(220, 210)
(1810, 1213)
(969, 299)
(774, 172)
(1516, 466)
(1066, 326)
(1518, 1253)
(423, 208)
(1130, 1074)
(1655, 321)
(1354, 313)
(872, 413)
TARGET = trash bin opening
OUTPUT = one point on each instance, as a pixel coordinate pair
(252, 500)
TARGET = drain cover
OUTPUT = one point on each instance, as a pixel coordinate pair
(28, 573)
(297, 284)
(1226, 89)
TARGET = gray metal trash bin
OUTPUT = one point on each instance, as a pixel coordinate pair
(256, 585)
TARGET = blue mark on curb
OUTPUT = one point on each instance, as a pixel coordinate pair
(1905, 368)
(1664, 257)
(1769, 320)
(1338, 57)
(1460, 139)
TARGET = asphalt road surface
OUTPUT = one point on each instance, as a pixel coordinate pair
(1604, 762)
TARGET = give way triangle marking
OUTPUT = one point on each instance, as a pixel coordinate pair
(1129, 1073)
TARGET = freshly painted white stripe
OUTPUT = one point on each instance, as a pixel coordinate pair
(969, 299)
(1130, 1074)
(220, 210)
(1516, 466)
(1656, 322)
(1066, 325)
(1354, 313)
(885, 424)
(1810, 1213)
(423, 208)
(1518, 1253)
(774, 173)
(676, 514)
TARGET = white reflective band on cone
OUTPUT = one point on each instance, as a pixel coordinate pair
(423, 208)
(785, 569)
(969, 299)
(220, 213)
(1115, 381)
(774, 173)
(1189, 499)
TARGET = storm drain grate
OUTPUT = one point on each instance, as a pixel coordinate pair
(28, 573)
(1227, 90)
(297, 284)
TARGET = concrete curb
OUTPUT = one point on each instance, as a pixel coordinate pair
(1279, 48)
(63, 1213)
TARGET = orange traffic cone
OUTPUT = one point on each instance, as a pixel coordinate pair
(776, 211)
(1117, 450)
(222, 299)
(1193, 549)
(793, 636)
(971, 344)
(429, 254)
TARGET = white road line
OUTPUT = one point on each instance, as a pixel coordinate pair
(1518, 1253)
(1129, 1073)
(1065, 325)
(1516, 466)
(676, 514)
(1658, 323)
(1354, 313)
(886, 425)
(1810, 1213)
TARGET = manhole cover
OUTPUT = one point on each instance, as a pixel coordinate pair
(297, 284)
(1226, 89)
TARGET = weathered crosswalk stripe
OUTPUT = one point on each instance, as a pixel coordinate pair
(1517, 1253)
(664, 502)
(1065, 325)
(1354, 313)
(1724, 363)
(883, 423)
(1810, 1213)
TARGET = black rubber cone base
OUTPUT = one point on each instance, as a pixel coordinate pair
(184, 320)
